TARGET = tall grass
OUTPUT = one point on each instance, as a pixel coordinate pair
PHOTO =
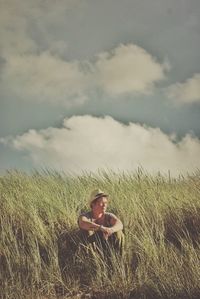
(39, 256)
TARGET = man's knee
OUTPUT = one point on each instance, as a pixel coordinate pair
(117, 241)
(119, 236)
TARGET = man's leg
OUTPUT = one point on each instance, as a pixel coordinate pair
(91, 241)
(94, 242)
(117, 241)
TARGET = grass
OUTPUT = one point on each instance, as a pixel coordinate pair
(39, 257)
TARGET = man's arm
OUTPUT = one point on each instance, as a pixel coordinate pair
(86, 224)
(116, 224)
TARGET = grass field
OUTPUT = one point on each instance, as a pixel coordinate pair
(38, 228)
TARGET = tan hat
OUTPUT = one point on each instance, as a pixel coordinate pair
(95, 194)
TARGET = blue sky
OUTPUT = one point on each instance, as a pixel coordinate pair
(89, 84)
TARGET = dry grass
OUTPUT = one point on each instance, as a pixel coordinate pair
(39, 256)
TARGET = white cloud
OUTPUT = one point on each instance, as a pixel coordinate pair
(89, 143)
(44, 78)
(127, 69)
(47, 77)
(28, 72)
(35, 66)
(187, 92)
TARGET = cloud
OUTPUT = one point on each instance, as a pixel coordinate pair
(129, 69)
(187, 92)
(44, 78)
(19, 18)
(90, 143)
(13, 29)
(35, 66)
(48, 77)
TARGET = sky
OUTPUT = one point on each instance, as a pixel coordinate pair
(88, 85)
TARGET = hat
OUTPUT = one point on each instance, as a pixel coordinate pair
(95, 194)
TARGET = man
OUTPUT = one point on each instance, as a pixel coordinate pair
(99, 228)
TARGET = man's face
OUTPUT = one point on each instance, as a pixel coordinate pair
(100, 205)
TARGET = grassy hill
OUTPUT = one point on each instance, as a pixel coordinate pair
(39, 256)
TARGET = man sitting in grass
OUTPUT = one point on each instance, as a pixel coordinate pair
(99, 228)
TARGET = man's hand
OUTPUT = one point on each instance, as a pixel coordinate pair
(107, 231)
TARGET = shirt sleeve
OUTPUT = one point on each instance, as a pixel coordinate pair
(85, 214)
(110, 216)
